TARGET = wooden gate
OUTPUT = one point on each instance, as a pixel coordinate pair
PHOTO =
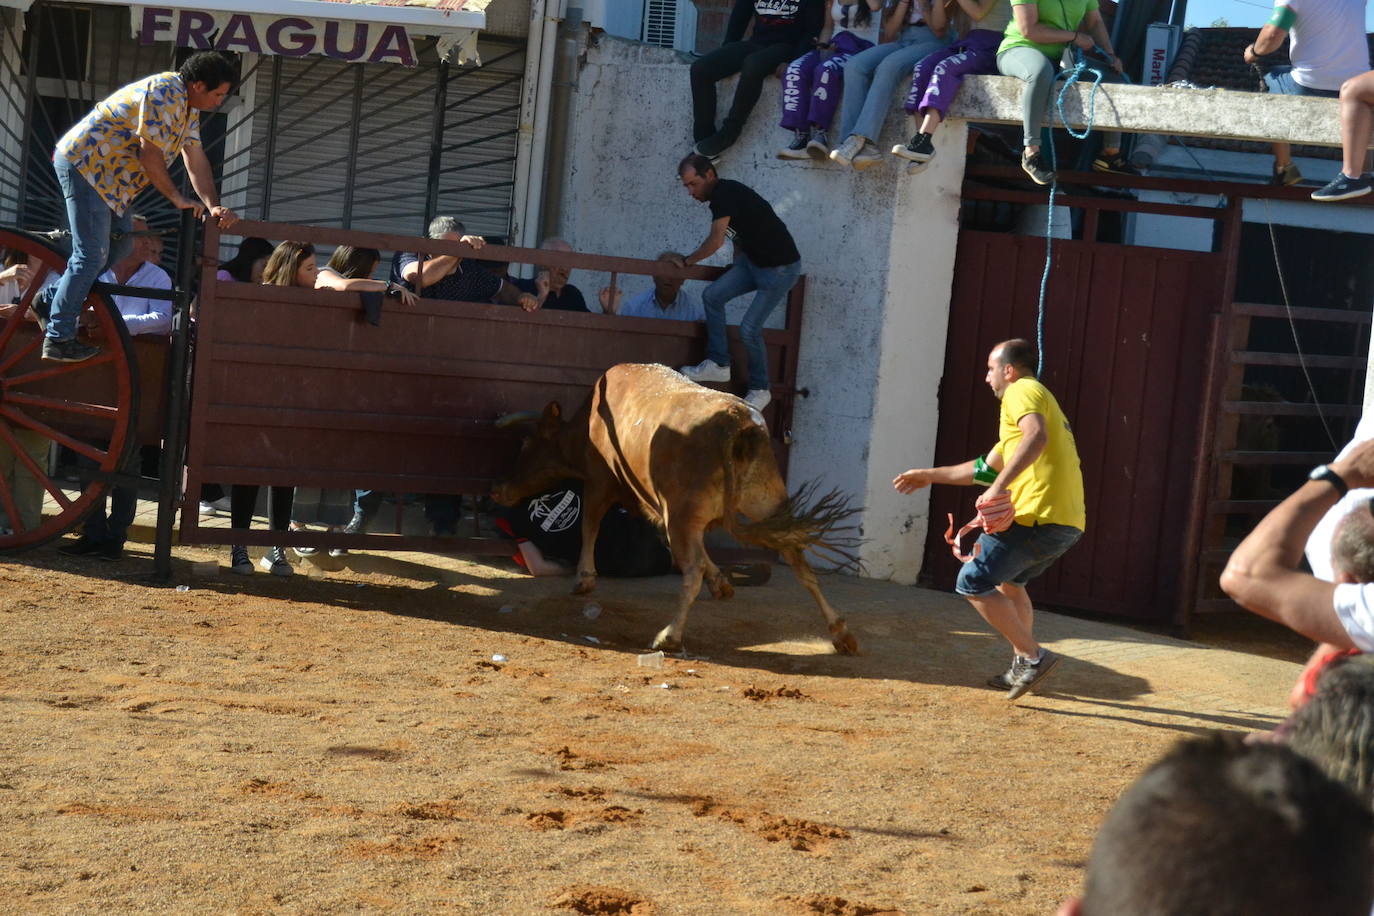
(1126, 344)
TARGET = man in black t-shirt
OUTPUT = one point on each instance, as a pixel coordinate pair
(445, 276)
(766, 260)
(548, 533)
(783, 30)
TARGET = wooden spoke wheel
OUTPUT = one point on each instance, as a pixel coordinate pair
(87, 407)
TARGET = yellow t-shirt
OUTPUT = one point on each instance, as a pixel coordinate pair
(1050, 491)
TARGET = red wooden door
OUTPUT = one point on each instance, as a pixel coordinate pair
(1125, 353)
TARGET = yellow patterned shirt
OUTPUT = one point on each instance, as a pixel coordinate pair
(104, 145)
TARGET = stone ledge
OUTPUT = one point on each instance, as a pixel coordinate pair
(1183, 112)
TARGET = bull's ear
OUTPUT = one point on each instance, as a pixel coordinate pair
(551, 421)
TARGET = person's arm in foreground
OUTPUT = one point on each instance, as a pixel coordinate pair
(714, 240)
(1263, 576)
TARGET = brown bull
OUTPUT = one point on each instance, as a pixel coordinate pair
(690, 458)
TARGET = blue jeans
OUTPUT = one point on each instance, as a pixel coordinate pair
(1016, 555)
(114, 527)
(773, 284)
(871, 77)
(1280, 81)
(94, 247)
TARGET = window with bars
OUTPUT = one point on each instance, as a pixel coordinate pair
(660, 22)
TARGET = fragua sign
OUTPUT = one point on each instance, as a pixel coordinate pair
(287, 36)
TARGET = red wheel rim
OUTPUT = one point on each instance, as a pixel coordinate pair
(88, 407)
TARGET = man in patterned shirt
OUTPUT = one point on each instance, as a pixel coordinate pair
(123, 145)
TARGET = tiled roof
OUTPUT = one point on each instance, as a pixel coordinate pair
(1215, 57)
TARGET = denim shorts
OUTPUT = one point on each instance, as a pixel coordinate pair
(1016, 555)
(1280, 81)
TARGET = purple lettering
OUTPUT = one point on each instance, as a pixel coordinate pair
(393, 47)
(155, 22)
(239, 35)
(194, 28)
(331, 41)
(297, 43)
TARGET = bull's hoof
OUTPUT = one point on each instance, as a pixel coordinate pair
(584, 585)
(665, 641)
(843, 640)
(721, 589)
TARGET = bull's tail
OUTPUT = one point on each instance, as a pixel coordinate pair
(807, 520)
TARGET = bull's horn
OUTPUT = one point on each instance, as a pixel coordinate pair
(505, 421)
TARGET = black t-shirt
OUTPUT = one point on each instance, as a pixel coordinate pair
(469, 283)
(568, 299)
(754, 227)
(626, 545)
(786, 21)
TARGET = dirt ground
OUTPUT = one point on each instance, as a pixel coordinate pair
(351, 743)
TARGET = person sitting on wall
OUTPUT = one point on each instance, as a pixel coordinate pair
(1327, 47)
(123, 145)
(665, 299)
(104, 533)
(551, 287)
(547, 530)
(811, 84)
(783, 30)
(1357, 119)
(446, 276)
(1226, 828)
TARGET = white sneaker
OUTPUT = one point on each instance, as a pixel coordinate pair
(707, 371)
(275, 562)
(758, 398)
(847, 151)
(216, 508)
(867, 158)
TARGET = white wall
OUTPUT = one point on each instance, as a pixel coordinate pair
(877, 248)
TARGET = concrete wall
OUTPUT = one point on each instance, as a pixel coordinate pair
(877, 248)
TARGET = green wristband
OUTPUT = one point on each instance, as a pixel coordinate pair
(983, 472)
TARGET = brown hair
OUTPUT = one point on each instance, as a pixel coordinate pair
(354, 263)
(286, 258)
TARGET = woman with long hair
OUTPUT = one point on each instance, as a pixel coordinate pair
(290, 264)
(248, 264)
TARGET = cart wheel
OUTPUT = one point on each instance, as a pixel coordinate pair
(88, 407)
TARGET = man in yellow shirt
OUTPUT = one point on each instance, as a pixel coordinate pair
(1035, 462)
(121, 147)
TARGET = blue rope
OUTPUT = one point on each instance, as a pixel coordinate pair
(1069, 77)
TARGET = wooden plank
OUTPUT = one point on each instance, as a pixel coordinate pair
(1236, 456)
(1280, 408)
(1303, 313)
(1311, 361)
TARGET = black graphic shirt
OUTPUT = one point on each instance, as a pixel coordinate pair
(793, 22)
(754, 228)
(626, 545)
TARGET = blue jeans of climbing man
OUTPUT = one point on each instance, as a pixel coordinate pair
(871, 77)
(94, 247)
(772, 285)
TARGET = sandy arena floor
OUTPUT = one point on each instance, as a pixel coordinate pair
(347, 742)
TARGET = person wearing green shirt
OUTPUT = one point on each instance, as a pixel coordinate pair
(1033, 42)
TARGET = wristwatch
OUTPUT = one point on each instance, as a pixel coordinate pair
(1324, 472)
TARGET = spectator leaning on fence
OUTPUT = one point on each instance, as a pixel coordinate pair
(1327, 47)
(551, 288)
(248, 264)
(124, 144)
(449, 276)
(665, 299)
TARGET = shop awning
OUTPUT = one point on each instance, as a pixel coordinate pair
(379, 31)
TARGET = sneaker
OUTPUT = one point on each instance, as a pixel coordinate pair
(67, 351)
(1114, 164)
(302, 551)
(239, 561)
(707, 371)
(1285, 175)
(1026, 676)
(1003, 681)
(819, 147)
(337, 552)
(41, 307)
(275, 562)
(218, 507)
(101, 550)
(758, 398)
(1343, 188)
(716, 144)
(846, 152)
(920, 149)
(797, 148)
(867, 158)
(1033, 164)
(916, 168)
